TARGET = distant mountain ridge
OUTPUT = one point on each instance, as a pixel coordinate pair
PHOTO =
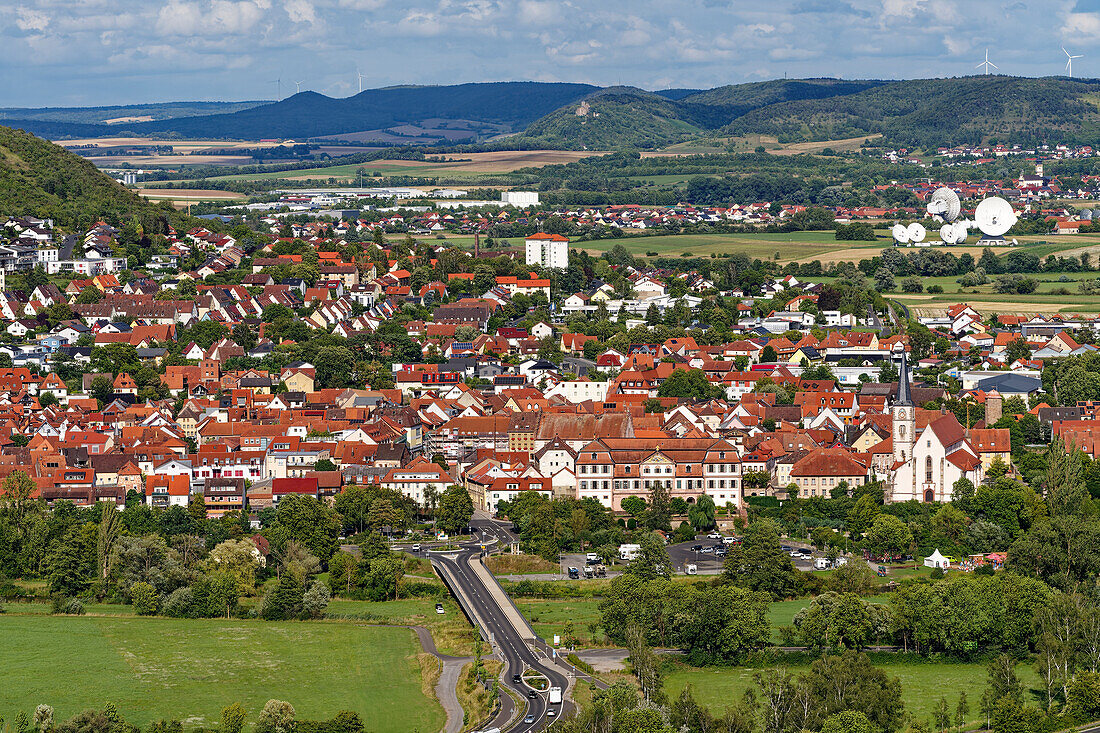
(540, 114)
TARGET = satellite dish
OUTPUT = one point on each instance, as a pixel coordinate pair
(901, 233)
(944, 203)
(994, 216)
(916, 232)
(954, 233)
(1086, 215)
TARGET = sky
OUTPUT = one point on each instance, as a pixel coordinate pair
(101, 52)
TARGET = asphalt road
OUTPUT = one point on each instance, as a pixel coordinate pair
(510, 643)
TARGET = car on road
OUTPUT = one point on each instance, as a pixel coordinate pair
(529, 719)
(696, 548)
(531, 694)
(516, 679)
(796, 554)
(416, 547)
(439, 608)
(550, 713)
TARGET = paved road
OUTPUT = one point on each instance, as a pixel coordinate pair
(501, 623)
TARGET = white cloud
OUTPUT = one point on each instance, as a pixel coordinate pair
(300, 11)
(29, 19)
(218, 17)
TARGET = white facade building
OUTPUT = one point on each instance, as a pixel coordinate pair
(548, 250)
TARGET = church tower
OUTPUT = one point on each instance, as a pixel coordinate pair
(904, 415)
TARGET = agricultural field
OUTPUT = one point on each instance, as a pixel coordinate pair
(923, 682)
(189, 669)
(464, 167)
(791, 246)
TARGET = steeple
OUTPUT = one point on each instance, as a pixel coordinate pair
(903, 398)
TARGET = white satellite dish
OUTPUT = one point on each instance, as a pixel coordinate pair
(916, 232)
(900, 233)
(954, 233)
(994, 216)
(944, 203)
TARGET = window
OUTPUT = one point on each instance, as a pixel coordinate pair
(928, 469)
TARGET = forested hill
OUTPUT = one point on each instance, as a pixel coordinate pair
(926, 112)
(942, 112)
(42, 179)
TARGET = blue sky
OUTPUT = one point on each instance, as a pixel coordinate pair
(84, 52)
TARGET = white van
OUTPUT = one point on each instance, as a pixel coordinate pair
(691, 569)
(821, 563)
(629, 552)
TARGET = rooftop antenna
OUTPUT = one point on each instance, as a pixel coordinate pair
(1069, 61)
(360, 75)
(987, 63)
(298, 87)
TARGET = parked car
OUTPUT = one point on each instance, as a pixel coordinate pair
(708, 550)
(574, 573)
(795, 554)
(785, 548)
(592, 557)
(691, 569)
(696, 548)
(439, 608)
(731, 540)
(714, 535)
(550, 713)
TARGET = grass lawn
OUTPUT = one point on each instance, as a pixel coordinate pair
(548, 616)
(154, 668)
(922, 683)
(792, 246)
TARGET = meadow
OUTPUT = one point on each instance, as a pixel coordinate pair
(189, 669)
(791, 246)
(923, 682)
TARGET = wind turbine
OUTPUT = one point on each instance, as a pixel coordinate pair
(1069, 61)
(279, 86)
(987, 63)
(298, 86)
(360, 75)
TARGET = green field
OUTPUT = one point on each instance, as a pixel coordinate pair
(351, 170)
(922, 682)
(791, 246)
(154, 668)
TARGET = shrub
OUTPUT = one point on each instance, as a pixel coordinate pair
(276, 717)
(937, 574)
(73, 607)
(145, 598)
(912, 285)
(316, 600)
(935, 288)
(179, 603)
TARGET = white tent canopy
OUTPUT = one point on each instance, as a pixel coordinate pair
(936, 560)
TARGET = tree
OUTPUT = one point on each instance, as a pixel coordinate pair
(701, 514)
(768, 355)
(102, 390)
(310, 523)
(324, 465)
(659, 513)
(851, 682)
(847, 721)
(316, 600)
(888, 536)
(455, 510)
(239, 558)
(1017, 349)
(884, 280)
(335, 366)
(635, 506)
(912, 285)
(760, 563)
(233, 717)
(652, 561)
(689, 384)
(276, 717)
(283, 601)
(145, 599)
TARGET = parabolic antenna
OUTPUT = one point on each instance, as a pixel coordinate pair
(994, 216)
(900, 233)
(944, 203)
(1086, 215)
(916, 232)
(954, 233)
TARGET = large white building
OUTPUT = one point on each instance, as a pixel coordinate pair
(520, 198)
(548, 250)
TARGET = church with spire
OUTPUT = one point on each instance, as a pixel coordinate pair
(931, 449)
